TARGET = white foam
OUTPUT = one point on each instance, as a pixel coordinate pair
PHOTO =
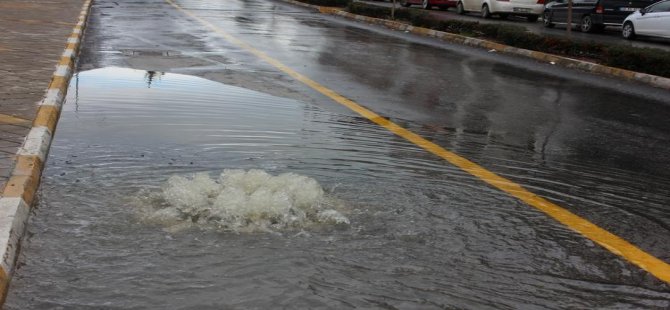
(242, 201)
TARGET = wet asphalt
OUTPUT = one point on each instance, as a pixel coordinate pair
(594, 145)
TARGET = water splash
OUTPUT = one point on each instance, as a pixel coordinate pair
(241, 201)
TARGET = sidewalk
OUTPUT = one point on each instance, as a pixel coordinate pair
(34, 34)
(38, 46)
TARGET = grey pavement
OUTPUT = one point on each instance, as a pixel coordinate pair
(33, 38)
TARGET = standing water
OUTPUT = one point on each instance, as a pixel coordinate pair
(167, 191)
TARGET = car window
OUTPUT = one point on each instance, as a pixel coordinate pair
(660, 7)
(640, 3)
(619, 3)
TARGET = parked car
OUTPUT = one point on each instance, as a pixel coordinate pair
(531, 9)
(592, 15)
(653, 20)
(427, 4)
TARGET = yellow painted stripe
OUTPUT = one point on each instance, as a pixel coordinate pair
(59, 82)
(65, 61)
(611, 242)
(28, 166)
(22, 186)
(12, 120)
(4, 285)
(47, 116)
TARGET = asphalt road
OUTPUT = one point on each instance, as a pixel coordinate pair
(611, 35)
(379, 119)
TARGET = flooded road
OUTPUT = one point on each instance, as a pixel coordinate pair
(224, 183)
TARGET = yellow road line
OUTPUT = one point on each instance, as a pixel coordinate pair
(611, 242)
(12, 120)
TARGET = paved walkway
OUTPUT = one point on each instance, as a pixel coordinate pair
(34, 34)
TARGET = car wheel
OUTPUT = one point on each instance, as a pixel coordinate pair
(532, 18)
(628, 31)
(460, 9)
(546, 18)
(405, 3)
(485, 11)
(425, 5)
(587, 24)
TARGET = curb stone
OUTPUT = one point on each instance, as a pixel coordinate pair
(19, 193)
(653, 80)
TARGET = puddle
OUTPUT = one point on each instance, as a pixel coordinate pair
(170, 116)
(167, 191)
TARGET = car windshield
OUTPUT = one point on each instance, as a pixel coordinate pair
(660, 7)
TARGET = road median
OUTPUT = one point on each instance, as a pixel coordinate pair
(646, 59)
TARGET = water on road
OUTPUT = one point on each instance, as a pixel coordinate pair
(407, 231)
(245, 191)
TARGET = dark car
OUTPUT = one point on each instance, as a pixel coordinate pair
(592, 15)
(427, 4)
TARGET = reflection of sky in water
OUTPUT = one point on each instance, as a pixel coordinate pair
(177, 108)
(115, 106)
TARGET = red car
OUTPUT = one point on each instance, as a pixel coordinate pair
(427, 4)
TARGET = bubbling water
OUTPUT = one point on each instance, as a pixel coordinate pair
(241, 201)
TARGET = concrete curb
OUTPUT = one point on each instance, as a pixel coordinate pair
(653, 80)
(19, 193)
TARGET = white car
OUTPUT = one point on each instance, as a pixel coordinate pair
(531, 9)
(653, 20)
